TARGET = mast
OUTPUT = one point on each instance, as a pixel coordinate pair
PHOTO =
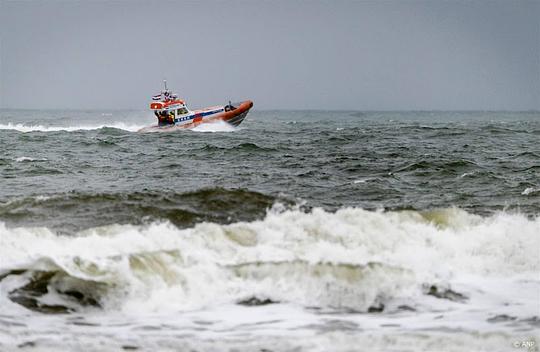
(165, 83)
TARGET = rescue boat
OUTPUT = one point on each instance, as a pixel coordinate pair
(172, 113)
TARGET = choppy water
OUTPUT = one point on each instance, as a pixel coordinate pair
(297, 231)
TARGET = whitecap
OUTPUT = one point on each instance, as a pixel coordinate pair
(41, 128)
(530, 190)
(26, 158)
(467, 174)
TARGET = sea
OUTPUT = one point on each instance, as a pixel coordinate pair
(296, 231)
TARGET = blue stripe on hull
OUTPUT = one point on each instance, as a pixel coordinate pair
(201, 114)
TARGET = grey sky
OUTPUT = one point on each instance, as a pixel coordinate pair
(365, 55)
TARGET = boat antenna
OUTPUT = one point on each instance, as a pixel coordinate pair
(165, 83)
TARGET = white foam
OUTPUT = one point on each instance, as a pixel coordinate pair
(530, 190)
(232, 333)
(352, 258)
(40, 128)
(218, 126)
(467, 174)
(349, 259)
(27, 158)
(362, 180)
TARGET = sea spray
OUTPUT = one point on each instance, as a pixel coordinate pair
(42, 128)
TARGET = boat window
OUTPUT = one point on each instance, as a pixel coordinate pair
(182, 111)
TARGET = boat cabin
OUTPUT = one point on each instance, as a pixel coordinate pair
(169, 109)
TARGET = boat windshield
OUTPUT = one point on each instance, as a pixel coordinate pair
(181, 111)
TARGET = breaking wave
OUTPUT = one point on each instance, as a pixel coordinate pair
(530, 190)
(28, 159)
(40, 128)
(351, 259)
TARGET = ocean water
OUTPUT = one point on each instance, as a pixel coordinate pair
(297, 231)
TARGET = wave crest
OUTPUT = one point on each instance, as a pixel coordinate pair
(41, 128)
(353, 259)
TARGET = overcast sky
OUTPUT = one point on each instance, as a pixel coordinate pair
(361, 55)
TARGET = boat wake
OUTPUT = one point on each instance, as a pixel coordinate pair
(217, 126)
